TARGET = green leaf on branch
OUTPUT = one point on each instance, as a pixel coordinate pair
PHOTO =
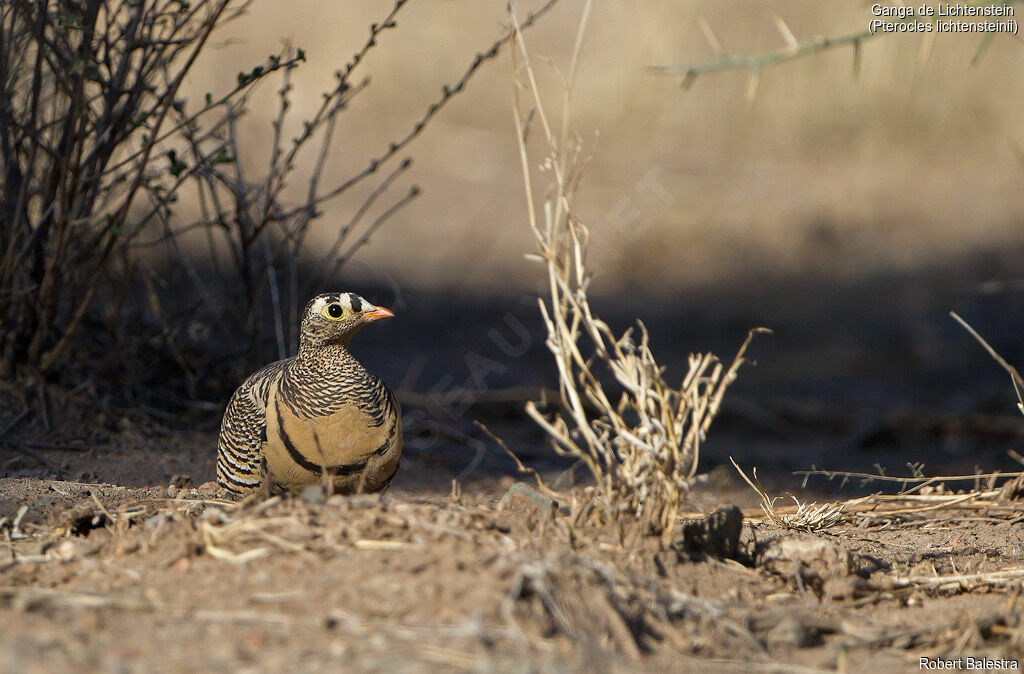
(177, 166)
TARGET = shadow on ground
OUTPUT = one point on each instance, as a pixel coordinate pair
(858, 373)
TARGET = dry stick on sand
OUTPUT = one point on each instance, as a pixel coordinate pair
(905, 508)
(643, 448)
(911, 484)
(519, 464)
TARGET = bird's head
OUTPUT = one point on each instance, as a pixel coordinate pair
(333, 318)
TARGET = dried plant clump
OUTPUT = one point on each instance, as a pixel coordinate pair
(806, 517)
(642, 445)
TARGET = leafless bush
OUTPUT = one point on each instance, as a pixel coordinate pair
(643, 448)
(86, 91)
(97, 147)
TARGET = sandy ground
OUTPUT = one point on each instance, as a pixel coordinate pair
(117, 557)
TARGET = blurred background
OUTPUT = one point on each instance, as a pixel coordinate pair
(909, 165)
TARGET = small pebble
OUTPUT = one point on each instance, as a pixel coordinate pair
(314, 493)
(66, 551)
(523, 498)
(208, 488)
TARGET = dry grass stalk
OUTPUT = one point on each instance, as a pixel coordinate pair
(1015, 378)
(910, 484)
(996, 502)
(805, 517)
(999, 577)
(643, 446)
(877, 507)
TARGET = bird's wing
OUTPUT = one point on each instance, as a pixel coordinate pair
(243, 432)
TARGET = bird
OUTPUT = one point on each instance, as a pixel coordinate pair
(318, 417)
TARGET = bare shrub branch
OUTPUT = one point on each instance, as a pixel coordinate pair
(1015, 378)
(794, 49)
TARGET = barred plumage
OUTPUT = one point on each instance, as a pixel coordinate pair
(321, 412)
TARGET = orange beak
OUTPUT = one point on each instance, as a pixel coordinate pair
(379, 313)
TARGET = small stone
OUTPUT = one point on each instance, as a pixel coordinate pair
(65, 552)
(314, 493)
(208, 488)
(823, 558)
(172, 491)
(525, 499)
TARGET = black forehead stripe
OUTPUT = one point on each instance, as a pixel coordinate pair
(327, 298)
(357, 303)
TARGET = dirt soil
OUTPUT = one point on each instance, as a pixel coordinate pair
(118, 555)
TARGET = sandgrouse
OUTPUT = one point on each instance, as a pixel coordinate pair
(318, 413)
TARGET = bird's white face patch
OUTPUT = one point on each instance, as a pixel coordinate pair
(354, 303)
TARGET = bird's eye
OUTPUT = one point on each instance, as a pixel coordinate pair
(334, 312)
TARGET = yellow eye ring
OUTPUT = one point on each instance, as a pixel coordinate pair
(335, 312)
